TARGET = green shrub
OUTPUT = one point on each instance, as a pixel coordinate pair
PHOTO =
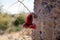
(19, 20)
(3, 26)
(16, 22)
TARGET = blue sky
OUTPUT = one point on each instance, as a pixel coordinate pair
(13, 6)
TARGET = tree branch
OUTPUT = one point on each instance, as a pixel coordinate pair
(24, 5)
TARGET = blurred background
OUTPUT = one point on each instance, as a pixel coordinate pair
(13, 15)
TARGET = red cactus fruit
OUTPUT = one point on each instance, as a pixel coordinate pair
(33, 26)
(28, 23)
(29, 19)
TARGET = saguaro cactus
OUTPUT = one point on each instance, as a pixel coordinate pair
(48, 20)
